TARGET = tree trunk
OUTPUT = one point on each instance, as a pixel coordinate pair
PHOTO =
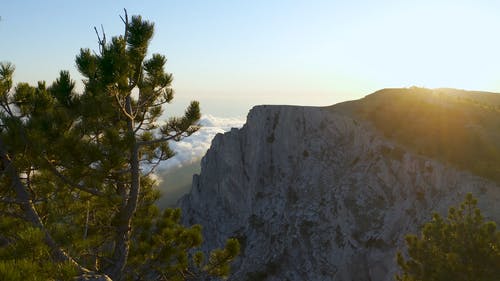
(124, 228)
(30, 214)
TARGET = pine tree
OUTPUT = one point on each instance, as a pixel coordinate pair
(76, 168)
(461, 247)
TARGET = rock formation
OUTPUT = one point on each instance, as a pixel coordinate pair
(314, 194)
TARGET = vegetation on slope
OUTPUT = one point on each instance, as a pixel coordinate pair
(461, 128)
(462, 246)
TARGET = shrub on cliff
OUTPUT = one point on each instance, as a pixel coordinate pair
(460, 247)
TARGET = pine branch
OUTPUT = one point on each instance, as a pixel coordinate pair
(139, 127)
(123, 109)
(69, 182)
(6, 107)
(142, 119)
(146, 103)
(155, 165)
(132, 83)
(125, 21)
(30, 213)
(10, 201)
(160, 140)
(102, 42)
(159, 103)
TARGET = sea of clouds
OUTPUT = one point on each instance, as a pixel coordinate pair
(191, 149)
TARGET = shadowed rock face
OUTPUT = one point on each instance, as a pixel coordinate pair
(313, 194)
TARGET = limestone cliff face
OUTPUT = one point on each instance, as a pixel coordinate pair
(313, 194)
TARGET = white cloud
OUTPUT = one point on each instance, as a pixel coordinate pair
(192, 148)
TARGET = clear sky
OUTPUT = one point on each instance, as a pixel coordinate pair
(231, 55)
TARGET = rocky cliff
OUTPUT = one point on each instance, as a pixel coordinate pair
(315, 194)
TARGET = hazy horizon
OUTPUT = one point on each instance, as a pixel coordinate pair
(233, 55)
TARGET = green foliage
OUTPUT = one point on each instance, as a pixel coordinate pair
(25, 256)
(460, 247)
(218, 263)
(76, 185)
(163, 251)
(457, 127)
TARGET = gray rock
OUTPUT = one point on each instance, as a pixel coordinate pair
(316, 195)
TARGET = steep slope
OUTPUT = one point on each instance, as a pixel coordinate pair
(314, 194)
(460, 128)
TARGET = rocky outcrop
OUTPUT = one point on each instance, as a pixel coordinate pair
(313, 194)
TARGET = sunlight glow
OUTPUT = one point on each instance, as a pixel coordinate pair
(431, 46)
(235, 54)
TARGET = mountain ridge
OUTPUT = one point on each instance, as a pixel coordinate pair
(457, 127)
(315, 194)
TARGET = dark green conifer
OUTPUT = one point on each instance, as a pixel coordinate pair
(76, 170)
(460, 247)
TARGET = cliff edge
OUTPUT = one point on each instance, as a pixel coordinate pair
(320, 194)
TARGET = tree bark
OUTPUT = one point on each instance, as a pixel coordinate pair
(124, 227)
(23, 197)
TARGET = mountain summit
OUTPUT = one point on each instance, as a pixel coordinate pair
(328, 193)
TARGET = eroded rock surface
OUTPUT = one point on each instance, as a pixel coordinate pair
(316, 195)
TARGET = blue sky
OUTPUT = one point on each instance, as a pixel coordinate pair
(231, 55)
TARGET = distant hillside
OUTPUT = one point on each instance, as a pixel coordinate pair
(175, 183)
(461, 128)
